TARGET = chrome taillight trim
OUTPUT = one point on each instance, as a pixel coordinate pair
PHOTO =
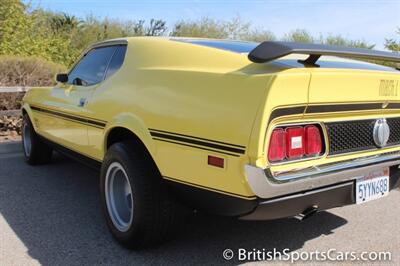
(302, 124)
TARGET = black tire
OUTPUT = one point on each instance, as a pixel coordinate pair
(38, 152)
(156, 216)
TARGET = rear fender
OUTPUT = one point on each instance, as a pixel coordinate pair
(27, 109)
(133, 124)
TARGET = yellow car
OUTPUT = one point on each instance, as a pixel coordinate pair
(251, 130)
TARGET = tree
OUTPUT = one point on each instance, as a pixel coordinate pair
(299, 35)
(64, 23)
(340, 41)
(157, 27)
(203, 28)
(218, 29)
(392, 44)
(24, 34)
(259, 36)
(236, 29)
(61, 37)
(14, 27)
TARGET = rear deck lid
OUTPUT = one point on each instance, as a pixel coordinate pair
(362, 89)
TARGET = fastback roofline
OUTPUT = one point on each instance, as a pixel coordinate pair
(268, 51)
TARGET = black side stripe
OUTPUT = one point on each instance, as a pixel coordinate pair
(209, 140)
(199, 142)
(287, 111)
(192, 146)
(78, 119)
(72, 120)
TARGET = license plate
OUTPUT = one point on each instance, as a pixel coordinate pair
(373, 186)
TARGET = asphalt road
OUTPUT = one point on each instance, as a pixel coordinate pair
(51, 215)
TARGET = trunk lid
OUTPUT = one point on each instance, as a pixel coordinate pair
(352, 87)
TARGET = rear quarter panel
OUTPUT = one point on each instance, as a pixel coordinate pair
(169, 86)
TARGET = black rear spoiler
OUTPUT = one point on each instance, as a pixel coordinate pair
(268, 51)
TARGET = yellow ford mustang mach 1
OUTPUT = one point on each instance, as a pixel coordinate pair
(255, 131)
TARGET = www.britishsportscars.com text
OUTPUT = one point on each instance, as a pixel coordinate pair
(242, 254)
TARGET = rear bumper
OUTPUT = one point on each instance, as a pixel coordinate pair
(321, 191)
(266, 184)
(322, 199)
(326, 188)
(291, 205)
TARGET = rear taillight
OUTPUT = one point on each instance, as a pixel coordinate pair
(294, 142)
(313, 140)
(277, 145)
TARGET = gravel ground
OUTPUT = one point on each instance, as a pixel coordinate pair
(51, 215)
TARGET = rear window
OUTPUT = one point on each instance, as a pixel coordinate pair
(233, 46)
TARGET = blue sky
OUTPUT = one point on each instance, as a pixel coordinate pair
(368, 20)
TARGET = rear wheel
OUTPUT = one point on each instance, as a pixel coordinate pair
(118, 193)
(138, 209)
(35, 150)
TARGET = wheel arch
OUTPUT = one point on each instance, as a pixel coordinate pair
(125, 127)
(26, 109)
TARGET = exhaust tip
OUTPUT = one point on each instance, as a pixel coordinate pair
(307, 213)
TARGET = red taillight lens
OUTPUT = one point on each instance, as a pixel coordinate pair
(313, 140)
(294, 142)
(277, 145)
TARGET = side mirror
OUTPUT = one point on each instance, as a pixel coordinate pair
(63, 78)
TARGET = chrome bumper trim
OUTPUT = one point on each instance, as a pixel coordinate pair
(333, 167)
(265, 185)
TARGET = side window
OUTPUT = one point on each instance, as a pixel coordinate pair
(91, 69)
(116, 61)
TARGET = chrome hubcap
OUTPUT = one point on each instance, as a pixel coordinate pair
(119, 197)
(27, 139)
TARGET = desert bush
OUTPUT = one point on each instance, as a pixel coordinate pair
(27, 71)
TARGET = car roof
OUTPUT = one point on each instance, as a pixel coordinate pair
(244, 47)
(229, 45)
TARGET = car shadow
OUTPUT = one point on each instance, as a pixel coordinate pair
(55, 211)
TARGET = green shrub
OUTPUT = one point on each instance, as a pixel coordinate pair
(28, 71)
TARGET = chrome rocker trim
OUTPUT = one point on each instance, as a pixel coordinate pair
(266, 184)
